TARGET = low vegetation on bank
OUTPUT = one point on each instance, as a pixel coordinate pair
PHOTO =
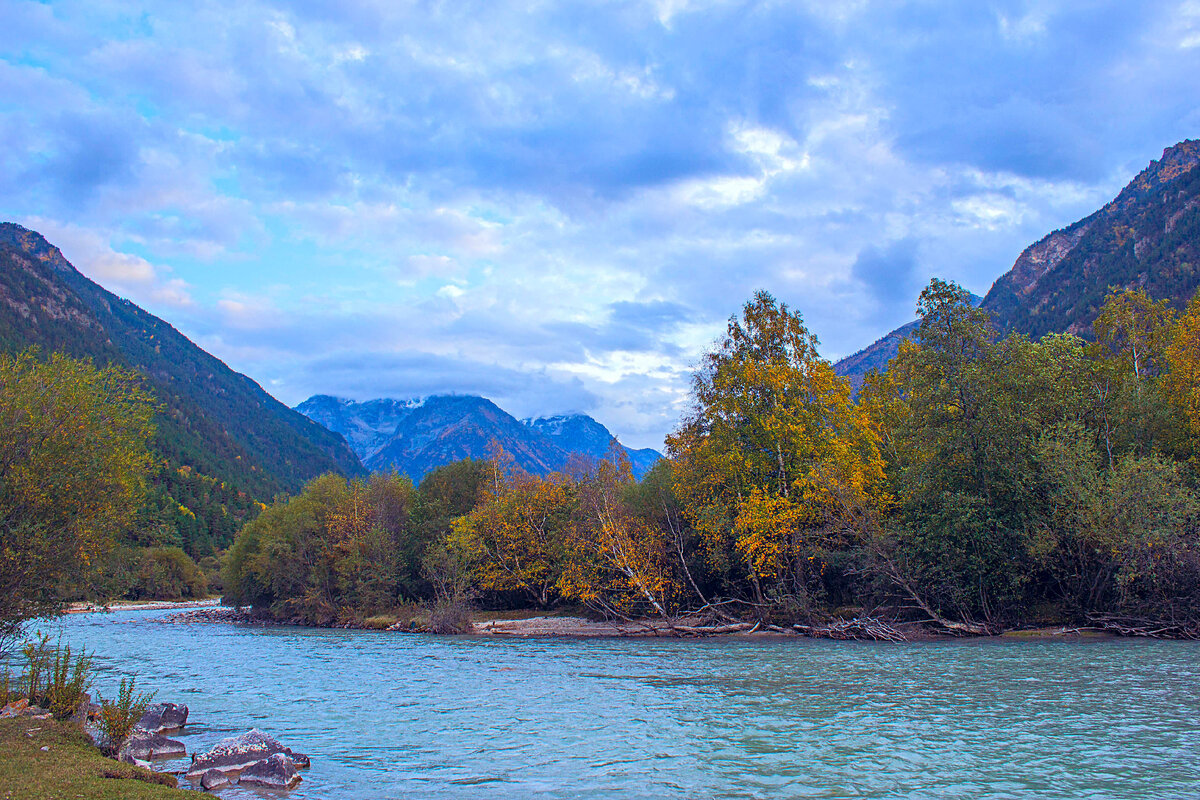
(54, 760)
(978, 485)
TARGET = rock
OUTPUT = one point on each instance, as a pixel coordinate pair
(213, 779)
(129, 759)
(86, 710)
(143, 744)
(276, 772)
(239, 752)
(14, 709)
(298, 759)
(163, 717)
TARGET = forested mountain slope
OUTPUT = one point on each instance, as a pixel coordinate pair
(1148, 237)
(215, 421)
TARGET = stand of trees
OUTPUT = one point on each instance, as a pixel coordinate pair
(978, 484)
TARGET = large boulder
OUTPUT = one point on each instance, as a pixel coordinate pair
(239, 752)
(276, 772)
(143, 745)
(163, 717)
(213, 779)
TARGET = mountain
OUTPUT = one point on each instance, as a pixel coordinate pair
(579, 433)
(215, 422)
(416, 436)
(1147, 237)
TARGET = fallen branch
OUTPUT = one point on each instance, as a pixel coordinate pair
(865, 629)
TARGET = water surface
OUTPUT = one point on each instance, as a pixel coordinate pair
(387, 715)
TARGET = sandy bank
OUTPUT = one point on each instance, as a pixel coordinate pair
(150, 605)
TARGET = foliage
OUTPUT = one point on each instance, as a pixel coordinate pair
(73, 461)
(54, 677)
(117, 717)
(167, 573)
(339, 548)
(773, 456)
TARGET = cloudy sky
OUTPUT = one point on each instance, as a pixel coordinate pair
(558, 205)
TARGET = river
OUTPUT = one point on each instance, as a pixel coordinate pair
(386, 715)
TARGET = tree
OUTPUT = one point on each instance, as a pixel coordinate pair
(772, 454)
(1182, 384)
(73, 462)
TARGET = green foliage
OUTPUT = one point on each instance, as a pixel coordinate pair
(117, 717)
(167, 573)
(54, 677)
(73, 461)
(339, 549)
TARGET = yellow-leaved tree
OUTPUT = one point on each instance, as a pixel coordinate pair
(772, 455)
(517, 535)
(1182, 383)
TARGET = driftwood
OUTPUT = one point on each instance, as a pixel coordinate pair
(713, 630)
(867, 629)
(1146, 628)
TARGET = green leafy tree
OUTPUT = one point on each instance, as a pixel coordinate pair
(73, 461)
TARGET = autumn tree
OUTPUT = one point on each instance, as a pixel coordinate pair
(517, 535)
(73, 462)
(771, 454)
(621, 562)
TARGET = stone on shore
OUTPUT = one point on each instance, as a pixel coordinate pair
(163, 717)
(143, 745)
(276, 772)
(239, 752)
(213, 779)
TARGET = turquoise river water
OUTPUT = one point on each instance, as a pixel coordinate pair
(387, 715)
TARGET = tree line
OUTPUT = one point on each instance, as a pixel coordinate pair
(979, 483)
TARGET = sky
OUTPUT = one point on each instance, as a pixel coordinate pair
(560, 205)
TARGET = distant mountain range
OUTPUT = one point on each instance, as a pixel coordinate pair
(416, 436)
(1148, 237)
(215, 421)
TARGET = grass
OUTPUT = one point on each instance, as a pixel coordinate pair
(72, 768)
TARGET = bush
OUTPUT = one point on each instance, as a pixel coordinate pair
(168, 573)
(68, 681)
(118, 718)
(451, 616)
(54, 678)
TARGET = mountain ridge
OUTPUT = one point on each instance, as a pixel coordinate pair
(417, 435)
(1148, 236)
(215, 420)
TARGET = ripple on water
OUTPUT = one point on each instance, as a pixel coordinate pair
(388, 716)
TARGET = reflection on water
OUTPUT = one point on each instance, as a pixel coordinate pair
(412, 716)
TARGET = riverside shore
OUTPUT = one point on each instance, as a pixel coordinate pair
(575, 627)
(145, 605)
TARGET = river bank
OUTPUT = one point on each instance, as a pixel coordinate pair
(144, 605)
(542, 626)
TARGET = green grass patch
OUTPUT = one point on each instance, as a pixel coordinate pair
(72, 767)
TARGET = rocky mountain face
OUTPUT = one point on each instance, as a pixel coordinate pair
(1147, 237)
(579, 433)
(416, 436)
(215, 421)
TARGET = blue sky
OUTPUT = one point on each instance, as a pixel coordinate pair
(558, 205)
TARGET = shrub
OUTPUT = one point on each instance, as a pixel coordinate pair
(68, 681)
(168, 573)
(118, 718)
(450, 616)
